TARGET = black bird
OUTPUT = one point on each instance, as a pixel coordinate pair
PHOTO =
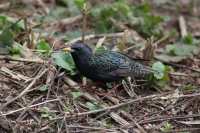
(108, 66)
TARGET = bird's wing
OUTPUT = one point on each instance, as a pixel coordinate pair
(119, 65)
(112, 63)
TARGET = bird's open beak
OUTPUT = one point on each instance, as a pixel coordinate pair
(68, 49)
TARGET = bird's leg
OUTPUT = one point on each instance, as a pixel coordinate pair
(109, 85)
(133, 85)
(129, 87)
(113, 89)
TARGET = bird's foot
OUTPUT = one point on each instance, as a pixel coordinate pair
(129, 86)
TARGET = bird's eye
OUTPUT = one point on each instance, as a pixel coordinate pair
(75, 48)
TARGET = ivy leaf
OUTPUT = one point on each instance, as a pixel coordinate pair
(76, 94)
(45, 109)
(43, 46)
(9, 22)
(170, 49)
(160, 70)
(16, 49)
(181, 49)
(92, 106)
(43, 88)
(65, 61)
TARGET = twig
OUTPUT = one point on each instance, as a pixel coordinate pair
(128, 116)
(42, 4)
(190, 130)
(158, 119)
(164, 38)
(9, 58)
(31, 106)
(91, 128)
(4, 6)
(119, 119)
(183, 27)
(88, 37)
(25, 90)
(27, 108)
(15, 75)
(180, 74)
(71, 83)
(51, 75)
(100, 42)
(68, 21)
(84, 24)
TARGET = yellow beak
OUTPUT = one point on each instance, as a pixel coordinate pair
(68, 49)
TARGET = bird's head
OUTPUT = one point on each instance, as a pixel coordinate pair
(79, 49)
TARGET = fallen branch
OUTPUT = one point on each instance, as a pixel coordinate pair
(151, 97)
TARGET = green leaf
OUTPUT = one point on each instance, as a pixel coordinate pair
(46, 113)
(188, 39)
(65, 61)
(73, 34)
(142, 9)
(14, 51)
(170, 49)
(18, 24)
(6, 37)
(182, 49)
(44, 46)
(99, 50)
(45, 109)
(9, 22)
(160, 70)
(189, 87)
(80, 3)
(92, 106)
(166, 127)
(43, 88)
(76, 94)
(123, 7)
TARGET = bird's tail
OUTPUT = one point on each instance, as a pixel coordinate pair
(140, 70)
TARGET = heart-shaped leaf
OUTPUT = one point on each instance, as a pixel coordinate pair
(65, 61)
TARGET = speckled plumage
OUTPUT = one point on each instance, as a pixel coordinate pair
(108, 66)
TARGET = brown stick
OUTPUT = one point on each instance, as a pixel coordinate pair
(31, 106)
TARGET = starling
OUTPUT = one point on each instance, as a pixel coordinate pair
(108, 66)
